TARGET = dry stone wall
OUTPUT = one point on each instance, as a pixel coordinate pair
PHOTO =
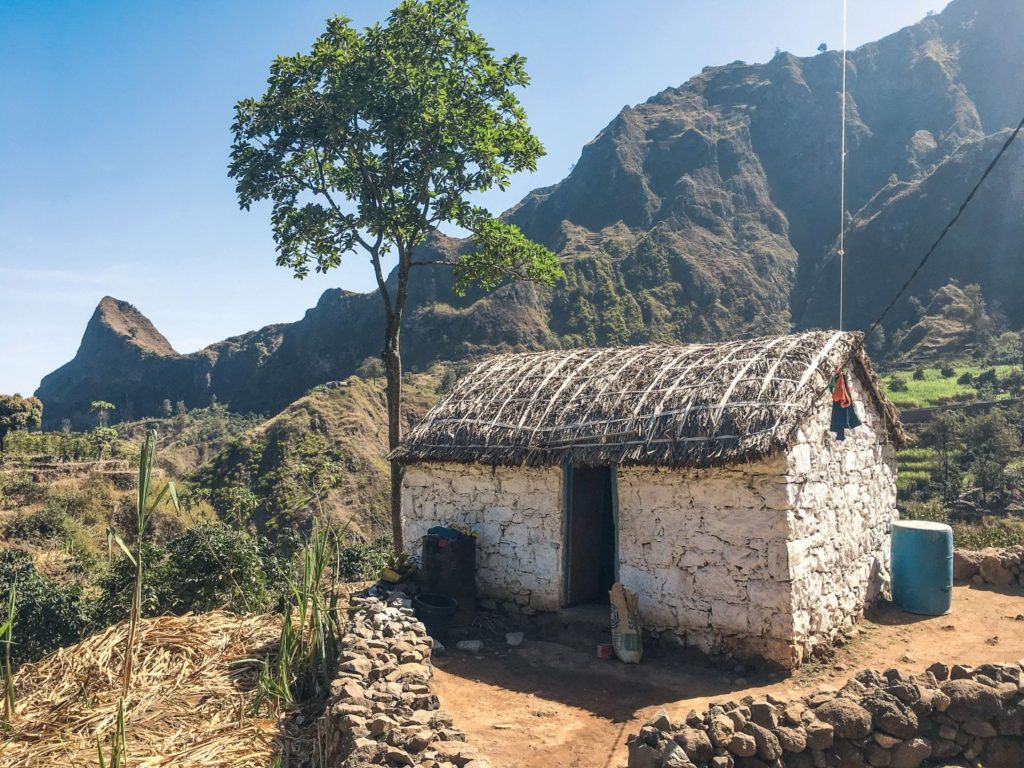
(945, 716)
(843, 497)
(517, 515)
(382, 710)
(992, 567)
(705, 550)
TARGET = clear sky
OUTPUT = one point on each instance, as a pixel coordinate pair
(114, 137)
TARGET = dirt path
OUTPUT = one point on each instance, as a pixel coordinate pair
(546, 705)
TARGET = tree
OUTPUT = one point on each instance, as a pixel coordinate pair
(374, 139)
(17, 412)
(823, 47)
(102, 410)
(944, 434)
(100, 439)
(993, 442)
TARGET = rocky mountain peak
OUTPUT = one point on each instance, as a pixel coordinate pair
(119, 321)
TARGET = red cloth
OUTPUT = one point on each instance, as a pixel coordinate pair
(841, 394)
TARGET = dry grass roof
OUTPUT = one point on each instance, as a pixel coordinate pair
(694, 405)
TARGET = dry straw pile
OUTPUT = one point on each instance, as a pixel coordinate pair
(189, 702)
(693, 405)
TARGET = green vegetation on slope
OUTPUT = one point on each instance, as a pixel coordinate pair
(942, 385)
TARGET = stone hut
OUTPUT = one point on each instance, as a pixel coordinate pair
(704, 477)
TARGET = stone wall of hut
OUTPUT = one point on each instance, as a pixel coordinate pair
(706, 552)
(772, 558)
(844, 504)
(517, 515)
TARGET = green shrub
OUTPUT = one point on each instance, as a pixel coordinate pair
(919, 374)
(966, 379)
(360, 561)
(898, 384)
(214, 567)
(48, 523)
(987, 379)
(18, 490)
(48, 615)
(989, 533)
(205, 568)
(947, 371)
(115, 588)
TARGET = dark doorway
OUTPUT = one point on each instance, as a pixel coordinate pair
(590, 534)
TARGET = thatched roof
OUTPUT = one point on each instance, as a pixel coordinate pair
(694, 405)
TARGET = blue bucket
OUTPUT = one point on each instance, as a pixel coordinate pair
(922, 567)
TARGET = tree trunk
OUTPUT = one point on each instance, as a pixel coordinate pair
(393, 367)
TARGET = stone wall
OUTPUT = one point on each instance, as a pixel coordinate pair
(517, 515)
(382, 710)
(705, 551)
(940, 717)
(992, 567)
(843, 497)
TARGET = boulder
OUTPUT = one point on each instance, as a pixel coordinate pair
(820, 735)
(1004, 753)
(791, 739)
(642, 756)
(696, 744)
(849, 719)
(966, 563)
(742, 745)
(910, 754)
(970, 700)
(890, 715)
(995, 570)
(768, 746)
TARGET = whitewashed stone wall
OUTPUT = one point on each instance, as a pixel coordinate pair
(844, 504)
(517, 514)
(772, 558)
(706, 552)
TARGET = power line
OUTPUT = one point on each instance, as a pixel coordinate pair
(945, 231)
(928, 254)
(842, 178)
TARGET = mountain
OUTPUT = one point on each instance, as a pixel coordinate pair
(709, 211)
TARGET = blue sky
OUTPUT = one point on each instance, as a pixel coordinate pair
(114, 137)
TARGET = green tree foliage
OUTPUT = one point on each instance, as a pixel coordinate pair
(375, 138)
(992, 442)
(17, 413)
(214, 567)
(945, 434)
(102, 439)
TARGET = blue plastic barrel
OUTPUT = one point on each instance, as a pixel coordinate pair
(922, 567)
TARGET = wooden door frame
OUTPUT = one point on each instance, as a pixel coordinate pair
(567, 481)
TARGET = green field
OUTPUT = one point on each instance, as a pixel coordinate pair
(915, 465)
(936, 390)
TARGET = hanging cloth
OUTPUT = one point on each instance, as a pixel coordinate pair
(844, 416)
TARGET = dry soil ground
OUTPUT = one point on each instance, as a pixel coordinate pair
(551, 705)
